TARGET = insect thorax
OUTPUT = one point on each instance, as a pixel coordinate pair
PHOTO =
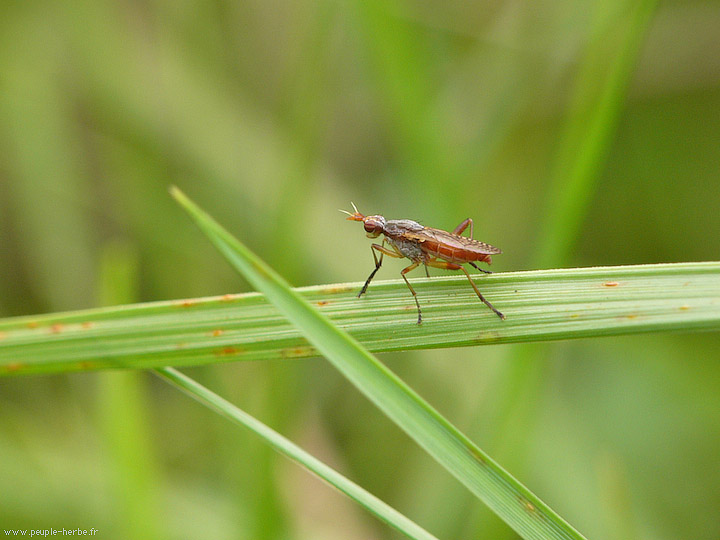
(409, 249)
(395, 227)
(394, 230)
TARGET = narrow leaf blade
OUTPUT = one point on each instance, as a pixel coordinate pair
(377, 507)
(540, 304)
(513, 502)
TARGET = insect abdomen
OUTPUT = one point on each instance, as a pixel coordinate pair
(454, 254)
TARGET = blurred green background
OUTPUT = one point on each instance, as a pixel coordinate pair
(574, 133)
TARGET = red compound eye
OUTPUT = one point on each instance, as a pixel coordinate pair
(372, 226)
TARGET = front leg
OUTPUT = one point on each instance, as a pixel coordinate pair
(378, 262)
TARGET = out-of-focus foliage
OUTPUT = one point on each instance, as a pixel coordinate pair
(274, 114)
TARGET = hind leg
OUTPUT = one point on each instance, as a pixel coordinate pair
(453, 266)
(481, 269)
(464, 225)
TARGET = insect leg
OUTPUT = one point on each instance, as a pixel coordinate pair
(404, 271)
(453, 266)
(426, 263)
(378, 262)
(460, 228)
(481, 269)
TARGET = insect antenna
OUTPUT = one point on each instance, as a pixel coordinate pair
(348, 213)
(357, 216)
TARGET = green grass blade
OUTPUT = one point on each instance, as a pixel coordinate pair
(540, 305)
(595, 108)
(122, 404)
(508, 498)
(377, 507)
(597, 102)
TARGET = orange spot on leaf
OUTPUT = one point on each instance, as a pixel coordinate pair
(294, 352)
(216, 333)
(476, 454)
(337, 289)
(228, 351)
(56, 328)
(610, 284)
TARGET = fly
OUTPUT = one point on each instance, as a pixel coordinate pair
(427, 246)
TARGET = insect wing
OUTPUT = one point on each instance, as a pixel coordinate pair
(428, 234)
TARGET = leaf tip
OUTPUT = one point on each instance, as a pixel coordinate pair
(176, 193)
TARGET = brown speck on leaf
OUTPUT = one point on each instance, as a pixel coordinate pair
(294, 352)
(337, 289)
(476, 454)
(610, 284)
(227, 351)
(322, 302)
(487, 336)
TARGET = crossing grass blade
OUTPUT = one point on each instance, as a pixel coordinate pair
(508, 498)
(374, 505)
